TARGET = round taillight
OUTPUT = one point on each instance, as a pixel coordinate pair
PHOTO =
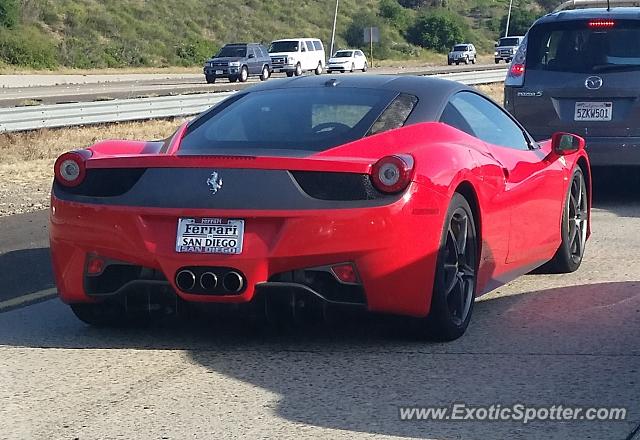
(70, 169)
(392, 174)
(517, 70)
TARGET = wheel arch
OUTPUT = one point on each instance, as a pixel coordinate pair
(467, 190)
(586, 171)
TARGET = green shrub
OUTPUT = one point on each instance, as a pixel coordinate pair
(28, 47)
(438, 31)
(195, 52)
(9, 13)
(520, 22)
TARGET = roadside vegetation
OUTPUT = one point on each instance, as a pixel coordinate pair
(98, 34)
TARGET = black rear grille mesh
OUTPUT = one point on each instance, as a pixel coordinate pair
(336, 186)
(106, 182)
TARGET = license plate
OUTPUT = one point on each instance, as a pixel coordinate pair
(593, 111)
(209, 236)
(219, 72)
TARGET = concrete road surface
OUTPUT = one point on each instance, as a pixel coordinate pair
(543, 340)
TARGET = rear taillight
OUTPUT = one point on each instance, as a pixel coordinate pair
(601, 24)
(515, 75)
(392, 174)
(70, 168)
(516, 70)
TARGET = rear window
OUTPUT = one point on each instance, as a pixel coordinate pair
(575, 47)
(314, 119)
(317, 44)
(509, 42)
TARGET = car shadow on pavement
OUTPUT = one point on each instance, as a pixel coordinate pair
(573, 345)
(617, 190)
(25, 271)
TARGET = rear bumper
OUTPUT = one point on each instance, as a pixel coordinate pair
(394, 262)
(614, 151)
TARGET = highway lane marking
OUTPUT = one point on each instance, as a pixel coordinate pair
(24, 299)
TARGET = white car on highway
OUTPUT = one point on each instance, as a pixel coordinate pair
(347, 60)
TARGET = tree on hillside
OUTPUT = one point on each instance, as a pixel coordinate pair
(395, 14)
(9, 10)
(438, 31)
(520, 22)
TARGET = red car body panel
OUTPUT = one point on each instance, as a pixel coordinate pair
(518, 195)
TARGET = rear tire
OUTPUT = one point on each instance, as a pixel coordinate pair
(211, 79)
(575, 217)
(365, 67)
(100, 314)
(318, 70)
(289, 74)
(353, 67)
(457, 63)
(233, 79)
(454, 287)
(466, 60)
(298, 71)
(497, 61)
(329, 71)
(473, 61)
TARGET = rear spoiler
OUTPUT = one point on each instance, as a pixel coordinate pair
(576, 4)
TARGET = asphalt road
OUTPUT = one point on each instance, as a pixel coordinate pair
(20, 90)
(542, 340)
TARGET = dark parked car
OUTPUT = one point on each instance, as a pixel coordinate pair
(238, 62)
(579, 71)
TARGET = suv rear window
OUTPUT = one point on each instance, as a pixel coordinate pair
(313, 119)
(575, 47)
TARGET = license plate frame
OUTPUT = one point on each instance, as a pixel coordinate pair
(210, 235)
(593, 111)
(219, 72)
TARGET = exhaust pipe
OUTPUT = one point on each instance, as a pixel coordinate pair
(233, 282)
(185, 280)
(208, 281)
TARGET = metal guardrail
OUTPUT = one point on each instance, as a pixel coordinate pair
(120, 110)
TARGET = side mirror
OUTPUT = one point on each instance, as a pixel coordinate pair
(566, 143)
(251, 55)
(495, 44)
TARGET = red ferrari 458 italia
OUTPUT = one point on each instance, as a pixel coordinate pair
(399, 194)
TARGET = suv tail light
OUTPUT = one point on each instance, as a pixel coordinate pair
(70, 168)
(392, 174)
(515, 76)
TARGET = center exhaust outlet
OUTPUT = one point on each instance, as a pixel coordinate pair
(185, 280)
(233, 281)
(208, 281)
